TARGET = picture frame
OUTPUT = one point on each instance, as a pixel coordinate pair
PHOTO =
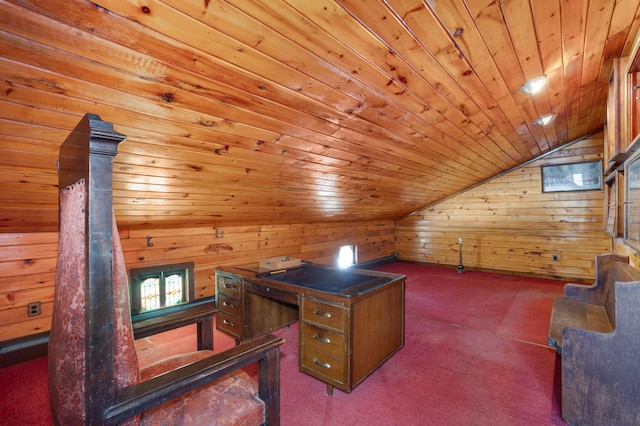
(582, 176)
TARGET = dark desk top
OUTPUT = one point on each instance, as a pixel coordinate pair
(346, 285)
(343, 282)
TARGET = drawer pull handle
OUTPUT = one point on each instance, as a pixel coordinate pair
(321, 339)
(231, 286)
(322, 364)
(228, 304)
(322, 314)
(227, 322)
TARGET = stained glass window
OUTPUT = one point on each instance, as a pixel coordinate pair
(150, 294)
(161, 287)
(174, 284)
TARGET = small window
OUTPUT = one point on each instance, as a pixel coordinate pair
(159, 287)
(347, 256)
(632, 202)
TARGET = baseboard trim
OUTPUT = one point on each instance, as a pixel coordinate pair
(372, 264)
(23, 349)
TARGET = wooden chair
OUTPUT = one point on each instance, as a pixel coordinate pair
(94, 377)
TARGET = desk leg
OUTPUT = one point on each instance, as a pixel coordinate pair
(329, 389)
(205, 334)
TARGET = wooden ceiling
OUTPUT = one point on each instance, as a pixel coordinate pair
(295, 111)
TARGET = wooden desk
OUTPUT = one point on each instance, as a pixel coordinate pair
(344, 335)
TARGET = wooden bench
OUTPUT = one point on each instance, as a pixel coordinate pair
(595, 329)
(200, 312)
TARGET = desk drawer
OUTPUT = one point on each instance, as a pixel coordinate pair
(321, 339)
(229, 305)
(323, 364)
(229, 286)
(323, 313)
(228, 324)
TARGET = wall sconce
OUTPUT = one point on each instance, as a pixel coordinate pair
(533, 86)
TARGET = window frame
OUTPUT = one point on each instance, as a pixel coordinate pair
(137, 275)
(632, 205)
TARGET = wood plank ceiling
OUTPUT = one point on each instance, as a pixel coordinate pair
(295, 111)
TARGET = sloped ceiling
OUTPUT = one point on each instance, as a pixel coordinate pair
(295, 111)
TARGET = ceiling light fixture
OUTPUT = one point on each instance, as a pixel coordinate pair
(534, 86)
(545, 119)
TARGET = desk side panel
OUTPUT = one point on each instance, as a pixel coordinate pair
(377, 329)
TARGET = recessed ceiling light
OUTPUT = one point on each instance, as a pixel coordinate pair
(533, 86)
(545, 119)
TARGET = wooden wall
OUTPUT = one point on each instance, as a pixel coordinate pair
(28, 261)
(509, 224)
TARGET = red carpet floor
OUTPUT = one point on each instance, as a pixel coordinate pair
(475, 354)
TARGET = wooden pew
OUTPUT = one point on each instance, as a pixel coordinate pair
(200, 313)
(93, 371)
(596, 331)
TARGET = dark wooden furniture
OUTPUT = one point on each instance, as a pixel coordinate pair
(94, 377)
(596, 331)
(200, 313)
(345, 333)
(244, 314)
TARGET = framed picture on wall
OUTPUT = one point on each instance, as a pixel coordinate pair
(585, 176)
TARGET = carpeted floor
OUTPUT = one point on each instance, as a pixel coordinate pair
(475, 354)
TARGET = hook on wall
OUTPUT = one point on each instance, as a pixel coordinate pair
(219, 234)
(149, 243)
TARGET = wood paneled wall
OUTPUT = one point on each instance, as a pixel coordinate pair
(28, 261)
(509, 224)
